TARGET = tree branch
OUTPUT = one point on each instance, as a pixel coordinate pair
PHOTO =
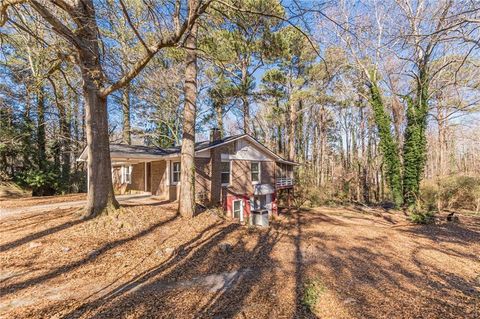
(57, 25)
(4, 7)
(164, 43)
(129, 21)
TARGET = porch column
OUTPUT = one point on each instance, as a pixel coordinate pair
(145, 176)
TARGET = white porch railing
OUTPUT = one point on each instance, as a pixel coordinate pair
(284, 181)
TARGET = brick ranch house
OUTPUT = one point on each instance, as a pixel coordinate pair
(237, 172)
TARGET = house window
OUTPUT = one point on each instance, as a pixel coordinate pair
(225, 173)
(238, 209)
(255, 170)
(175, 172)
(126, 174)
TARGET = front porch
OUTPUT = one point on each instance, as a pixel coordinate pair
(154, 177)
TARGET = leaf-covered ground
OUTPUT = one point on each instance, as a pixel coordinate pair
(32, 201)
(147, 262)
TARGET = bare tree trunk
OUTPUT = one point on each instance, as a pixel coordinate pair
(65, 137)
(186, 204)
(42, 157)
(245, 104)
(219, 116)
(126, 133)
(100, 188)
(291, 131)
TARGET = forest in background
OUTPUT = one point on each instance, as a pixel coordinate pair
(378, 100)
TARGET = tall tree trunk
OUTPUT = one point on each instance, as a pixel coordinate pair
(388, 145)
(414, 149)
(126, 133)
(41, 143)
(245, 104)
(27, 137)
(291, 130)
(186, 204)
(100, 188)
(219, 116)
(65, 137)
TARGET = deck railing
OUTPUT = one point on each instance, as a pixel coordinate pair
(284, 181)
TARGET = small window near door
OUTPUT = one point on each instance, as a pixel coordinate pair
(175, 172)
(126, 172)
(225, 173)
(255, 170)
(237, 209)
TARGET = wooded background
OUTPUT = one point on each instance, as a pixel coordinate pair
(378, 100)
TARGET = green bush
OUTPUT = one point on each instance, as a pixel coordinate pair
(312, 290)
(42, 183)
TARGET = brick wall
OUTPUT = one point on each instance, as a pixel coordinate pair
(158, 176)
(138, 178)
(202, 180)
(215, 178)
(216, 193)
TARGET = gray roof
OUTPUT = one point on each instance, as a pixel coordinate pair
(144, 152)
(137, 150)
(141, 151)
(152, 150)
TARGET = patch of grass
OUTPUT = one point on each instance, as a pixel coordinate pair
(312, 290)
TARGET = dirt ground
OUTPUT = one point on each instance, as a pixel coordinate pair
(147, 262)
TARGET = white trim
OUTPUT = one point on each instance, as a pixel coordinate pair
(124, 171)
(240, 215)
(179, 173)
(167, 168)
(82, 157)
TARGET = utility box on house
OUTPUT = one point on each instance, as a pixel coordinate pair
(260, 217)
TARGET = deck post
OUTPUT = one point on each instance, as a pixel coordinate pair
(289, 198)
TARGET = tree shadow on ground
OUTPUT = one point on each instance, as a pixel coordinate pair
(448, 232)
(155, 291)
(368, 271)
(239, 279)
(33, 220)
(382, 279)
(15, 287)
(24, 240)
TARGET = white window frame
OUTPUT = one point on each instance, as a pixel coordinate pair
(174, 172)
(229, 173)
(259, 172)
(126, 174)
(240, 214)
